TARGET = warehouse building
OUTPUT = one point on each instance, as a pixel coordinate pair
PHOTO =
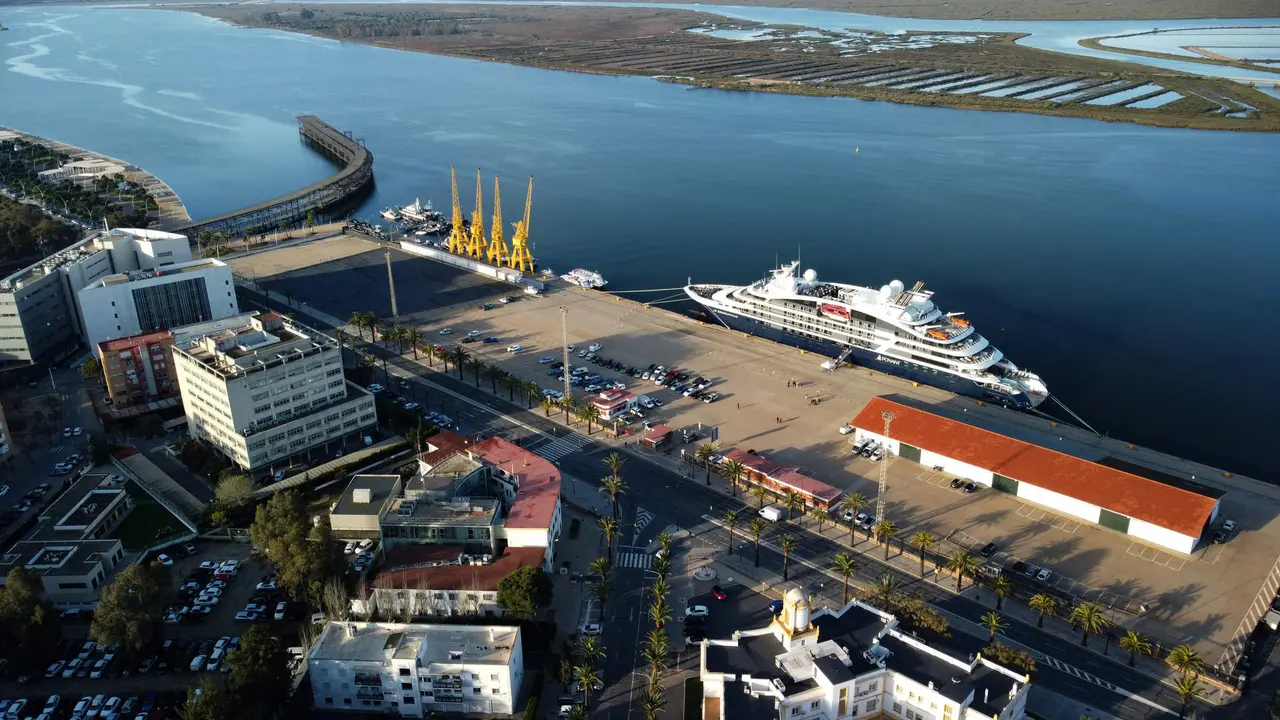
(1154, 507)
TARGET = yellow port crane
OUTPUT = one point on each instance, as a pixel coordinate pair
(498, 254)
(521, 258)
(457, 238)
(476, 248)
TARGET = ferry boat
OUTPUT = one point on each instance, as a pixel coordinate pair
(895, 330)
(417, 213)
(589, 279)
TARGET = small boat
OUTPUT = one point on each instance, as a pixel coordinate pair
(835, 311)
(589, 279)
(390, 214)
(416, 212)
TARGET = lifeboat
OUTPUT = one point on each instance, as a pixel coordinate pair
(960, 321)
(834, 311)
(937, 334)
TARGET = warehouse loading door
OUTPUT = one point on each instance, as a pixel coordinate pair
(908, 452)
(1004, 484)
(1115, 521)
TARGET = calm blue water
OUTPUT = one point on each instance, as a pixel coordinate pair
(1131, 267)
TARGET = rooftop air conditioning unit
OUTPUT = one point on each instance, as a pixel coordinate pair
(362, 496)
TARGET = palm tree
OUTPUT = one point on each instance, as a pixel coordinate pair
(587, 678)
(659, 611)
(846, 566)
(494, 373)
(614, 486)
(662, 566)
(885, 531)
(787, 543)
(760, 493)
(1188, 689)
(397, 335)
(1090, 619)
(960, 563)
(357, 321)
(531, 390)
(923, 540)
(732, 470)
(731, 521)
(1185, 660)
(819, 516)
(548, 405)
(664, 542)
(994, 624)
(569, 407)
(614, 462)
(757, 527)
(852, 504)
(591, 414)
(414, 338)
(341, 336)
(445, 355)
(886, 590)
(475, 366)
(609, 526)
(661, 587)
(793, 501)
(1001, 587)
(1133, 643)
(600, 566)
(1043, 604)
(460, 357)
(703, 456)
(652, 702)
(511, 382)
(591, 649)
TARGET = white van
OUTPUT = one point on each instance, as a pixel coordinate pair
(772, 513)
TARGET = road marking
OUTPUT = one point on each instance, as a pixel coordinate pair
(638, 560)
(643, 518)
(555, 448)
(1060, 666)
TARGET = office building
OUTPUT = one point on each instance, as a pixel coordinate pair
(40, 317)
(154, 299)
(83, 173)
(267, 389)
(138, 369)
(854, 662)
(414, 670)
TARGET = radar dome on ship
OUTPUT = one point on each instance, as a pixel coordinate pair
(810, 275)
(885, 292)
(896, 286)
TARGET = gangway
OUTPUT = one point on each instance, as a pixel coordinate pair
(830, 366)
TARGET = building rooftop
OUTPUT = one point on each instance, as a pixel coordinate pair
(443, 478)
(409, 557)
(788, 475)
(75, 252)
(73, 514)
(440, 446)
(167, 270)
(429, 644)
(484, 578)
(54, 558)
(133, 341)
(538, 492)
(456, 511)
(367, 495)
(266, 340)
(1183, 508)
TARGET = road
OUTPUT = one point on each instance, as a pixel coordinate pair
(665, 499)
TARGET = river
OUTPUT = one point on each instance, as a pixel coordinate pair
(1129, 266)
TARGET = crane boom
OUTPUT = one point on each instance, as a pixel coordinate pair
(457, 237)
(476, 248)
(498, 254)
(521, 258)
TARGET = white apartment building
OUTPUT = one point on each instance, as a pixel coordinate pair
(40, 313)
(267, 389)
(412, 670)
(143, 301)
(851, 663)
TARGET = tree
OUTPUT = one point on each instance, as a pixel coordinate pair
(819, 516)
(1188, 689)
(587, 678)
(652, 702)
(476, 367)
(993, 623)
(731, 521)
(885, 532)
(548, 405)
(302, 552)
(211, 700)
(665, 542)
(234, 490)
(1185, 660)
(1043, 604)
(357, 321)
(460, 358)
(591, 414)
(851, 505)
(846, 566)
(787, 543)
(1001, 587)
(923, 540)
(609, 526)
(757, 527)
(733, 471)
(493, 374)
(511, 383)
(524, 591)
(960, 563)
(613, 486)
(91, 369)
(1133, 643)
(130, 608)
(591, 649)
(1089, 618)
(794, 502)
(703, 456)
(886, 590)
(659, 611)
(29, 627)
(761, 493)
(260, 677)
(614, 462)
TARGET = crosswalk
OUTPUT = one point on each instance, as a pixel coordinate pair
(558, 447)
(636, 560)
(643, 518)
(1095, 680)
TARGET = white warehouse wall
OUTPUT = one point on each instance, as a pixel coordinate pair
(957, 468)
(890, 445)
(1160, 536)
(1059, 503)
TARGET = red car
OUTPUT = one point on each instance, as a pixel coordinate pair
(718, 592)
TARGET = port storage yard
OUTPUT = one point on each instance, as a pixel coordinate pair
(1210, 599)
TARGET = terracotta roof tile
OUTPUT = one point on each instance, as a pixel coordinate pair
(1166, 506)
(538, 494)
(462, 577)
(787, 475)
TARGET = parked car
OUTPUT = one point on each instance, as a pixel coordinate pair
(957, 483)
(1044, 575)
(988, 550)
(696, 611)
(970, 488)
(592, 629)
(718, 592)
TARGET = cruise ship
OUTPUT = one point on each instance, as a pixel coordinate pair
(895, 330)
